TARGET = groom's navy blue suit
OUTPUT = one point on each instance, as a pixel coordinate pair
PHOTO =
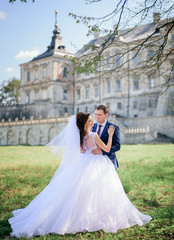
(115, 141)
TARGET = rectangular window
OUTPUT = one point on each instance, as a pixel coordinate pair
(96, 90)
(77, 109)
(28, 98)
(65, 72)
(87, 92)
(97, 67)
(28, 76)
(172, 38)
(44, 72)
(151, 53)
(151, 82)
(78, 93)
(65, 94)
(78, 75)
(107, 61)
(65, 110)
(118, 86)
(35, 74)
(118, 62)
(119, 105)
(135, 105)
(142, 105)
(86, 109)
(136, 58)
(136, 83)
(108, 86)
(150, 103)
(172, 74)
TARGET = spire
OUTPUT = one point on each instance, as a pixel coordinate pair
(56, 42)
(56, 17)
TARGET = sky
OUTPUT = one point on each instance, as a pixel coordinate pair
(26, 29)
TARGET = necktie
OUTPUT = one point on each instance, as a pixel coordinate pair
(98, 132)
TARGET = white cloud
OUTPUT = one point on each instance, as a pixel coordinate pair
(9, 69)
(27, 54)
(3, 15)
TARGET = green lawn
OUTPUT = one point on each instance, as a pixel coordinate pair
(146, 172)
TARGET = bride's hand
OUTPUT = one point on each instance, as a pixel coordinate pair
(111, 130)
(97, 151)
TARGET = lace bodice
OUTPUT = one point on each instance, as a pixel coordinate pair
(89, 142)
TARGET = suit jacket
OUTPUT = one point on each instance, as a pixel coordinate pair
(115, 142)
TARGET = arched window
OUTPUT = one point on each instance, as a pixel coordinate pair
(30, 137)
(52, 132)
(10, 137)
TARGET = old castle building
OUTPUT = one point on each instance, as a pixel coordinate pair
(127, 79)
(48, 87)
(50, 90)
(46, 81)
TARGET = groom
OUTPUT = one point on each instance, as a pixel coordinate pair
(101, 127)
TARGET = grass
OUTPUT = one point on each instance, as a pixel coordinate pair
(146, 172)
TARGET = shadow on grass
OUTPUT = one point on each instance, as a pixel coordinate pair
(166, 212)
(155, 173)
(5, 228)
(152, 202)
(159, 215)
(127, 188)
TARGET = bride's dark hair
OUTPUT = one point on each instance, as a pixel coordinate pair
(81, 120)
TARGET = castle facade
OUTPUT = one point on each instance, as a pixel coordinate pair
(123, 80)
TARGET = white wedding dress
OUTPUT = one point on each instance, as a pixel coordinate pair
(83, 196)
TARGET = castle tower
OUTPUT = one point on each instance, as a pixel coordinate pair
(46, 81)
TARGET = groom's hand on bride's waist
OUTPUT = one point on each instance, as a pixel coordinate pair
(96, 151)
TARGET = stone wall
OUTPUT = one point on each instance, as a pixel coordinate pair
(134, 134)
(163, 125)
(30, 132)
(41, 131)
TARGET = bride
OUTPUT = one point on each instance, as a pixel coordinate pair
(85, 194)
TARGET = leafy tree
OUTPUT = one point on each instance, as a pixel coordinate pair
(12, 1)
(9, 94)
(126, 20)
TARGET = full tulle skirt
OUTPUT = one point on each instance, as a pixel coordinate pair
(87, 196)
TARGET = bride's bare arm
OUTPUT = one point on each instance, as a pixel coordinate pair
(101, 144)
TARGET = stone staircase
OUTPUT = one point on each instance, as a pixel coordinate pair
(135, 135)
(161, 138)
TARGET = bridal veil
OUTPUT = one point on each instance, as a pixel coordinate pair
(67, 145)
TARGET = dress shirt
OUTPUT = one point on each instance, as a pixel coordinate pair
(101, 130)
